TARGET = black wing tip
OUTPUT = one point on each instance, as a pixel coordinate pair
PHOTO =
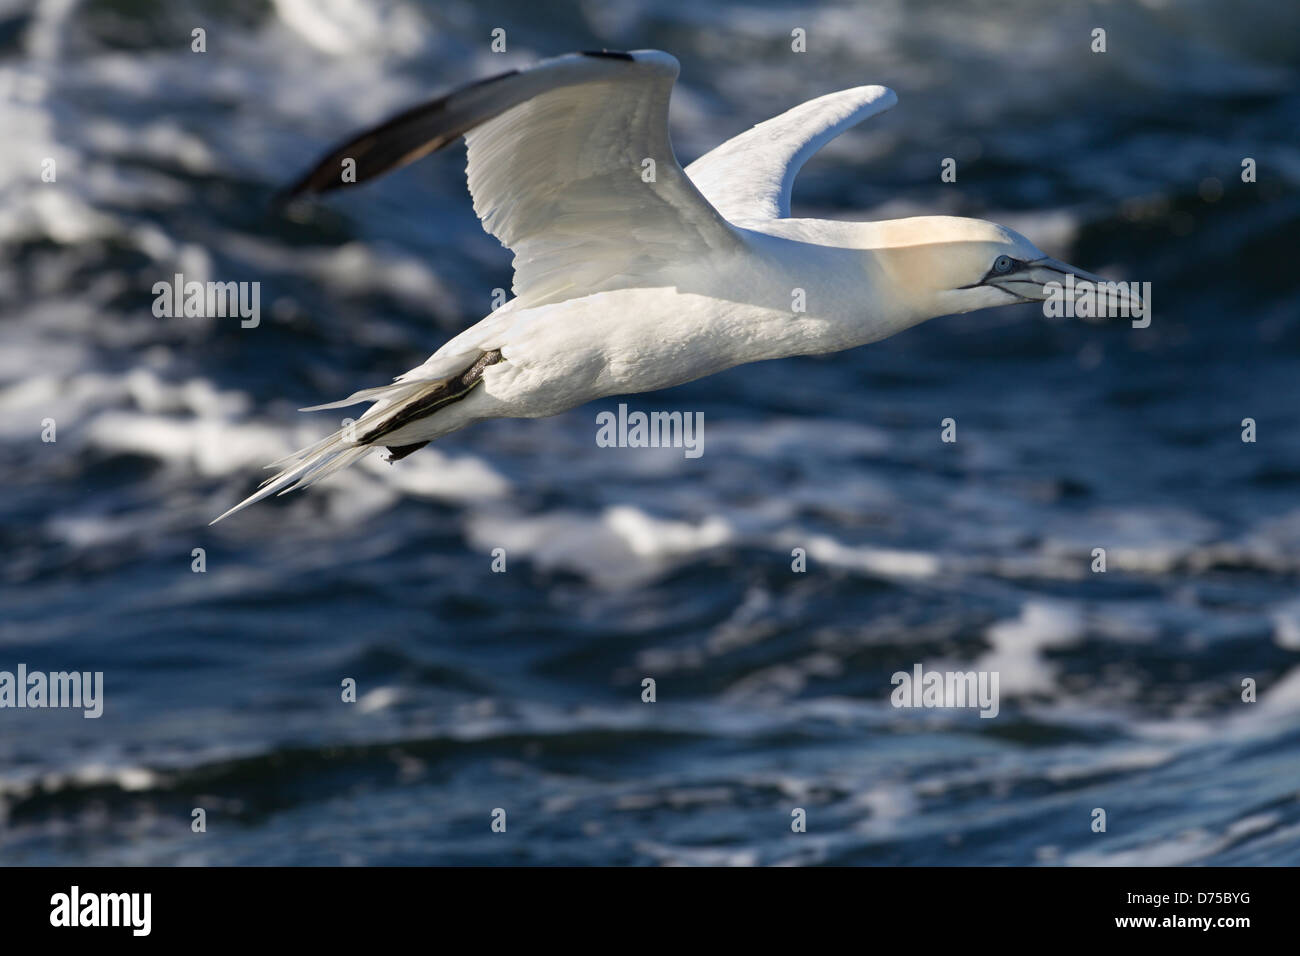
(609, 54)
(317, 181)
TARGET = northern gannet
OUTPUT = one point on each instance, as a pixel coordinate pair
(633, 274)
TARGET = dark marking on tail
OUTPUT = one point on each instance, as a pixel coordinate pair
(452, 390)
(398, 452)
(610, 54)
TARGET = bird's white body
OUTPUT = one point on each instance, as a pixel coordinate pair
(632, 274)
(710, 317)
(692, 320)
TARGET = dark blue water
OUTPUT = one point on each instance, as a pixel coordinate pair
(522, 690)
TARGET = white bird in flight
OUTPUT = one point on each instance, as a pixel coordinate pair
(627, 282)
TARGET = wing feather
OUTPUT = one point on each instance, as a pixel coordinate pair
(751, 175)
(557, 167)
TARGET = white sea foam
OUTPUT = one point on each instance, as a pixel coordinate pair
(620, 547)
(1018, 645)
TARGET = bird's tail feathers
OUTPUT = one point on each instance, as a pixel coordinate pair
(307, 466)
(336, 451)
(395, 406)
(393, 393)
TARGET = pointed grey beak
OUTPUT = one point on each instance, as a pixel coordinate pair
(1047, 277)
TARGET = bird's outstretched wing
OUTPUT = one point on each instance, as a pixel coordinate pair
(557, 167)
(750, 176)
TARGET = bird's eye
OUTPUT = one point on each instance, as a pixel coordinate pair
(1003, 264)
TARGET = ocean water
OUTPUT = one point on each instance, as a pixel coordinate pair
(522, 690)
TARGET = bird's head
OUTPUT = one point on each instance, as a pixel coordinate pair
(942, 265)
